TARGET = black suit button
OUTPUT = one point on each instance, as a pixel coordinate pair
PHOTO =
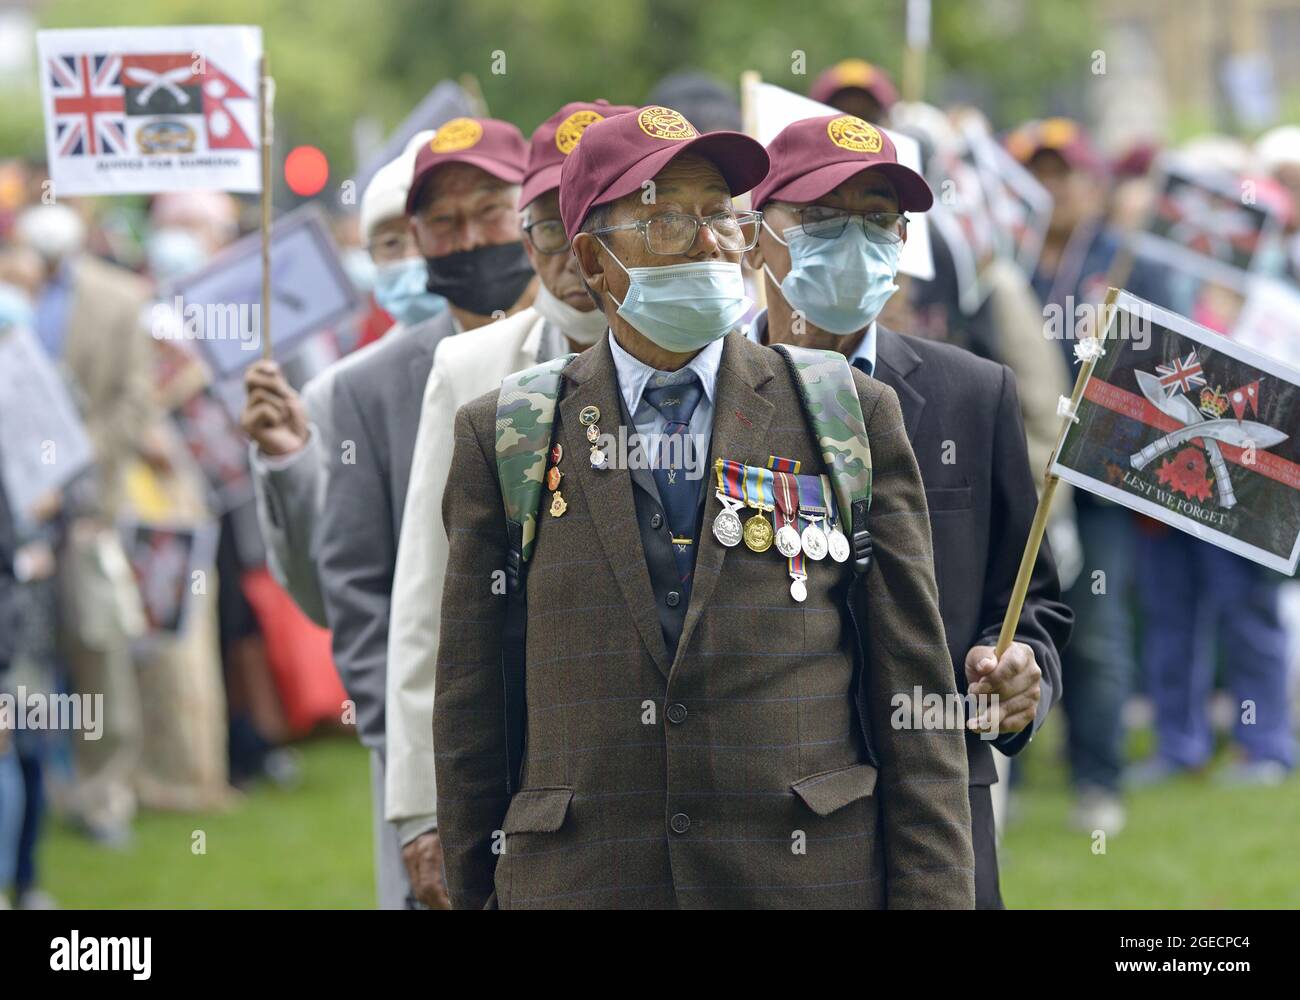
(656, 521)
(680, 823)
(676, 713)
(673, 599)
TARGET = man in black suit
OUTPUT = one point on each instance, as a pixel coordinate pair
(832, 233)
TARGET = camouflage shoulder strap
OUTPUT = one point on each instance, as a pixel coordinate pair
(525, 416)
(831, 403)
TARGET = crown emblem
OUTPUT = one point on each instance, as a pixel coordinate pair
(1214, 402)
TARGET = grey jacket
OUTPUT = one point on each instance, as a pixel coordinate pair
(367, 443)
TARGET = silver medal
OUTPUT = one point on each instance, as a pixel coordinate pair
(798, 589)
(727, 528)
(814, 541)
(597, 458)
(838, 545)
(787, 541)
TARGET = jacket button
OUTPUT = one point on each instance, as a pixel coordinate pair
(676, 713)
(673, 598)
(656, 521)
(680, 823)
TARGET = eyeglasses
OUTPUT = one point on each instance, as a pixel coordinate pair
(674, 233)
(826, 223)
(547, 236)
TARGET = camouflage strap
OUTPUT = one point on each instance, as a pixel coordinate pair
(525, 415)
(831, 401)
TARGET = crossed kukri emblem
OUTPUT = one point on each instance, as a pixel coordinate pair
(1238, 433)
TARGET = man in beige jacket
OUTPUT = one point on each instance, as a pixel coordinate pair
(563, 318)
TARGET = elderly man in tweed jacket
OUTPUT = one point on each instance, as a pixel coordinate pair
(692, 738)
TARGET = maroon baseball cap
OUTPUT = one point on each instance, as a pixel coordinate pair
(1062, 136)
(492, 145)
(555, 139)
(618, 155)
(816, 155)
(855, 74)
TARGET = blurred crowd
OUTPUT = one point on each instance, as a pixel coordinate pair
(207, 697)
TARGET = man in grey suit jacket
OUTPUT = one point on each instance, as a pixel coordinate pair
(460, 203)
(286, 455)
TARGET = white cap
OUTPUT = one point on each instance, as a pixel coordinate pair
(385, 195)
(53, 231)
(1279, 147)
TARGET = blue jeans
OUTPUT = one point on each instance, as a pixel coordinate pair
(11, 813)
(1199, 601)
(1099, 664)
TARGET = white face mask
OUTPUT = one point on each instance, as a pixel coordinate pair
(583, 328)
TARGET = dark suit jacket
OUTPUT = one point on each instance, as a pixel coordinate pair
(375, 413)
(732, 774)
(964, 424)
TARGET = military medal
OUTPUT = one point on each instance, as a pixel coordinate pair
(798, 588)
(758, 533)
(588, 416)
(787, 493)
(553, 477)
(593, 433)
(836, 541)
(812, 509)
(558, 505)
(727, 528)
(557, 453)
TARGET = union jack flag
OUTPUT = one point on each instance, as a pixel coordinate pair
(89, 105)
(1182, 375)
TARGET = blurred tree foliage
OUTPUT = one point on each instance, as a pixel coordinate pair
(337, 60)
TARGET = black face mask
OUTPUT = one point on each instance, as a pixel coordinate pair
(483, 280)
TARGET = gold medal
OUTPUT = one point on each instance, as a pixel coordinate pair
(758, 533)
(589, 415)
(558, 505)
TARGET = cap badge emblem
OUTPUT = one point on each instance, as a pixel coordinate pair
(665, 123)
(459, 133)
(852, 133)
(571, 129)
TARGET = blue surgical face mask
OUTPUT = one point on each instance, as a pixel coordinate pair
(174, 253)
(840, 285)
(684, 307)
(400, 291)
(15, 307)
(360, 268)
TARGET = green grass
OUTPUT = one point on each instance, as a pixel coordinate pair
(305, 848)
(1189, 844)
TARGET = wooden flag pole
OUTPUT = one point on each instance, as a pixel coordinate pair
(915, 50)
(266, 90)
(1030, 555)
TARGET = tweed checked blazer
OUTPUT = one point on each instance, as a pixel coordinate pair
(733, 775)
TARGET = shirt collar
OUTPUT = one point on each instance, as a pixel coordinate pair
(635, 375)
(757, 331)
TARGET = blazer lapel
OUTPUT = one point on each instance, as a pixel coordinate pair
(894, 353)
(608, 492)
(741, 416)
